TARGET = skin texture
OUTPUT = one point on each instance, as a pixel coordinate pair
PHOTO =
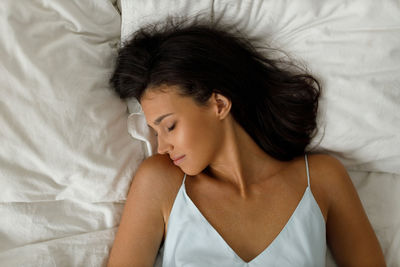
(242, 192)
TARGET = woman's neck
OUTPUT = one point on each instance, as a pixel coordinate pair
(240, 161)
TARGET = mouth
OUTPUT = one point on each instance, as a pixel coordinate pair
(178, 159)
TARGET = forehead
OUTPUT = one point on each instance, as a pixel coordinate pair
(164, 99)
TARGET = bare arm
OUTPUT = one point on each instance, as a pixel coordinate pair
(349, 233)
(142, 224)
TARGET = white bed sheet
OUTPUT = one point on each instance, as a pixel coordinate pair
(66, 158)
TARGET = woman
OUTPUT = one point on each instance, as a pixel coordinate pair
(232, 184)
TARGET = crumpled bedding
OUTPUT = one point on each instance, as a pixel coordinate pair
(66, 157)
(67, 154)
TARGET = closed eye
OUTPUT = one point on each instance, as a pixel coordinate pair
(171, 128)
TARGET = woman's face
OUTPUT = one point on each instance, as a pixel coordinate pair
(190, 134)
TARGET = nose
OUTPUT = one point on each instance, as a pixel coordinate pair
(163, 146)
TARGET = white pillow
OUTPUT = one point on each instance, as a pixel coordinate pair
(352, 47)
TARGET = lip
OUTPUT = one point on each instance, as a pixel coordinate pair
(178, 159)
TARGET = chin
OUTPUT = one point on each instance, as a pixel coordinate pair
(194, 172)
(191, 172)
(188, 172)
(191, 169)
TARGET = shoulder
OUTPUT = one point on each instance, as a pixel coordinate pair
(158, 176)
(327, 170)
(158, 164)
(326, 165)
(328, 178)
(324, 170)
(159, 169)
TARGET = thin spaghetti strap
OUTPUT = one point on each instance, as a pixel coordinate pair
(308, 173)
(184, 178)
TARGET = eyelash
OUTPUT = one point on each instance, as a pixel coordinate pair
(171, 128)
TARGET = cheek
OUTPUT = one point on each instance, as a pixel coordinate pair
(200, 142)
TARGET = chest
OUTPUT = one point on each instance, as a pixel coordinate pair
(231, 240)
(247, 225)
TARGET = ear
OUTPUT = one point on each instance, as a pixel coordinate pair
(222, 105)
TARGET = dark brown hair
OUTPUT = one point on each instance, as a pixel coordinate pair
(275, 103)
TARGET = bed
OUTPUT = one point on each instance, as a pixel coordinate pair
(69, 146)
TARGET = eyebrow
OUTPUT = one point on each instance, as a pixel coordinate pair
(159, 119)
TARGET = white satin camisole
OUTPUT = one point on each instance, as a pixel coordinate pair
(191, 241)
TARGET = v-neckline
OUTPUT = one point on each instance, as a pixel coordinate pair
(226, 243)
